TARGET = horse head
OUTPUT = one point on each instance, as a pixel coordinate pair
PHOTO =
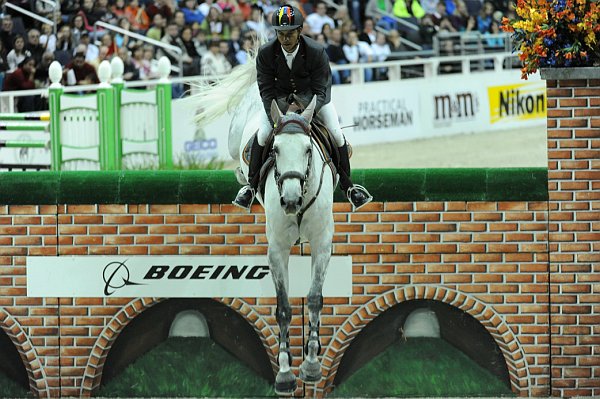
(292, 149)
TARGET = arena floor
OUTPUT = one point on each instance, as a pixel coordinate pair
(522, 148)
(500, 149)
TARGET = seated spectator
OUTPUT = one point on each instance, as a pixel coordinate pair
(41, 73)
(90, 14)
(375, 8)
(317, 19)
(358, 52)
(485, 17)
(162, 7)
(427, 30)
(78, 26)
(429, 6)
(64, 39)
(381, 51)
(191, 58)
(439, 14)
(368, 34)
(104, 13)
(395, 42)
(92, 50)
(18, 53)
(171, 38)
(232, 5)
(3, 65)
(227, 50)
(45, 9)
(409, 9)
(337, 57)
(47, 38)
(149, 69)
(102, 56)
(459, 16)
(213, 24)
(193, 16)
(79, 72)
(179, 19)
(118, 8)
(205, 7)
(214, 62)
(243, 54)
(33, 45)
(139, 20)
(23, 78)
(7, 33)
(130, 71)
(256, 22)
(122, 40)
(157, 30)
(108, 41)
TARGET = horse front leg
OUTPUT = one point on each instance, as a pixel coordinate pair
(285, 381)
(310, 369)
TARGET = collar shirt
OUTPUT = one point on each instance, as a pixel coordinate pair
(289, 57)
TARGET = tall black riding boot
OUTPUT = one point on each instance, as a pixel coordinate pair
(356, 194)
(246, 195)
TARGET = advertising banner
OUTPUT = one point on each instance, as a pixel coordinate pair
(176, 276)
(400, 110)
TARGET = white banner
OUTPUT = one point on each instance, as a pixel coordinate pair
(399, 110)
(176, 276)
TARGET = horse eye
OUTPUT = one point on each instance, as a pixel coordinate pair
(307, 150)
(276, 150)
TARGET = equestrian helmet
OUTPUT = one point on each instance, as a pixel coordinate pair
(286, 18)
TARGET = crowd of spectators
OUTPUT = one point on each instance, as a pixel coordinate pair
(216, 35)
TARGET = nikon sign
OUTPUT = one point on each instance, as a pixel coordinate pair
(176, 276)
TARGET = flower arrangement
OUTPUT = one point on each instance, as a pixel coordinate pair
(555, 33)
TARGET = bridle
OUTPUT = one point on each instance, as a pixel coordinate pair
(281, 177)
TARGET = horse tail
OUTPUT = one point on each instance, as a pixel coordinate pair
(216, 98)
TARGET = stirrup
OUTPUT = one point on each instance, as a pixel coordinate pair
(362, 190)
(239, 199)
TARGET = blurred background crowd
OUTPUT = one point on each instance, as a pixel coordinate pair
(216, 35)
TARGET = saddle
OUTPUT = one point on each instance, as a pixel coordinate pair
(321, 136)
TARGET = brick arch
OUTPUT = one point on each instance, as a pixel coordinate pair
(99, 353)
(493, 323)
(38, 384)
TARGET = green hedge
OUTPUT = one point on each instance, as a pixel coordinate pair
(212, 187)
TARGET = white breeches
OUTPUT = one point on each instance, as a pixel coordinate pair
(328, 115)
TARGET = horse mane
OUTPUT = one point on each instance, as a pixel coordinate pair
(216, 97)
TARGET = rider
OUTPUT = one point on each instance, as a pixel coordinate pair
(295, 64)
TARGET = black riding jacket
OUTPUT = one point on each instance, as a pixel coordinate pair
(310, 74)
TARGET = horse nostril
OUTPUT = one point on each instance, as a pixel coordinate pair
(300, 201)
(281, 201)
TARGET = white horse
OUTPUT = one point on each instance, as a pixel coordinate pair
(298, 202)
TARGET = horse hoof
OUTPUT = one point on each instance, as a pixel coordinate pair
(310, 371)
(285, 383)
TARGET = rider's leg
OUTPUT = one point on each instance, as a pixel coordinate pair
(246, 195)
(356, 194)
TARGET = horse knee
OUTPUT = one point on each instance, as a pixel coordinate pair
(283, 314)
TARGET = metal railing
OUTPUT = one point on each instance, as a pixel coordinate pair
(33, 15)
(428, 66)
(145, 39)
(401, 21)
(402, 40)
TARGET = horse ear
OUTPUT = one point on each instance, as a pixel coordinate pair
(310, 109)
(276, 113)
